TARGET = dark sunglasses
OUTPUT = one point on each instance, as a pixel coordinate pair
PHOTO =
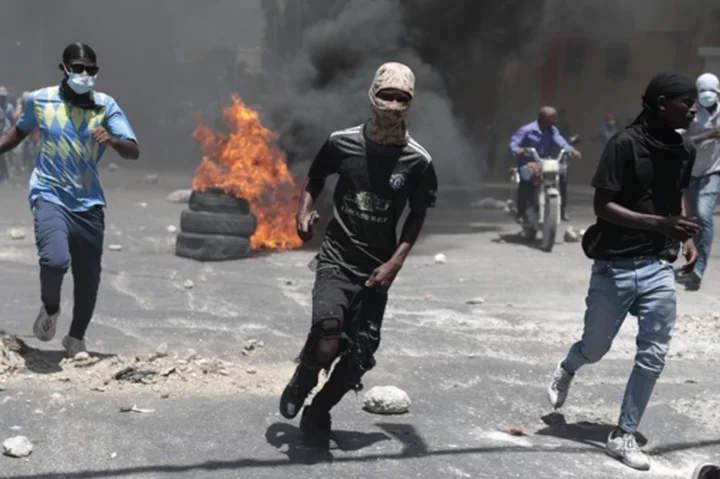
(91, 70)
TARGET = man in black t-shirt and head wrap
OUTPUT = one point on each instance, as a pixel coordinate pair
(381, 169)
(639, 232)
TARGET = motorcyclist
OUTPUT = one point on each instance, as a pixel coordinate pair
(544, 137)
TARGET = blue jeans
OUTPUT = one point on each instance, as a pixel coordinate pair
(644, 288)
(703, 195)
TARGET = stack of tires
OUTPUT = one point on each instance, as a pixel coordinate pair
(216, 227)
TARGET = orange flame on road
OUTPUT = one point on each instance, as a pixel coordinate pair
(245, 164)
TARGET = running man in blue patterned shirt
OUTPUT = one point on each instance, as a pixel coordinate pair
(76, 125)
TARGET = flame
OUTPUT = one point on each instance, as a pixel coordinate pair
(245, 164)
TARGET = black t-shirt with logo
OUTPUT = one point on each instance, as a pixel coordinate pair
(649, 176)
(375, 184)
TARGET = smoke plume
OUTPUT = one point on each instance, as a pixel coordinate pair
(326, 54)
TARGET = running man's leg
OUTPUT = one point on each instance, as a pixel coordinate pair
(87, 232)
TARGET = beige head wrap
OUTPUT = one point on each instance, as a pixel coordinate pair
(387, 125)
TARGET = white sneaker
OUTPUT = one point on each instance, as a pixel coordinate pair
(559, 386)
(45, 324)
(73, 346)
(625, 448)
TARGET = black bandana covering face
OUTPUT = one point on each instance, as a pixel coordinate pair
(387, 125)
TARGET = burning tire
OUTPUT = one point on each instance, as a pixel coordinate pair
(227, 224)
(214, 200)
(211, 247)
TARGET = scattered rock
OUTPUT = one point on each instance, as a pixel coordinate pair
(386, 400)
(188, 284)
(179, 196)
(517, 431)
(161, 350)
(17, 233)
(113, 166)
(152, 179)
(115, 247)
(251, 371)
(428, 296)
(172, 229)
(440, 258)
(475, 301)
(18, 446)
(471, 356)
(113, 455)
(571, 236)
(143, 205)
(192, 354)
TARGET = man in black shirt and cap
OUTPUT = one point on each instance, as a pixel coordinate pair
(381, 169)
(640, 231)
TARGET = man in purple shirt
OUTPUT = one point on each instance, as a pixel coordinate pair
(544, 136)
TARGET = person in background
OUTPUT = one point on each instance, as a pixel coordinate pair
(640, 230)
(77, 125)
(702, 195)
(545, 137)
(7, 121)
(608, 129)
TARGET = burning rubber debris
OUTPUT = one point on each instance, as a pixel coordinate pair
(245, 164)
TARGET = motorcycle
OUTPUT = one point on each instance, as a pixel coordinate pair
(544, 205)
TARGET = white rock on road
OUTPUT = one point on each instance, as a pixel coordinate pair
(113, 167)
(386, 400)
(115, 247)
(188, 284)
(172, 229)
(18, 446)
(179, 196)
(440, 258)
(18, 233)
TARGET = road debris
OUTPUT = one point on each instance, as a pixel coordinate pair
(152, 179)
(571, 236)
(172, 229)
(489, 204)
(188, 284)
(113, 166)
(475, 301)
(113, 455)
(440, 258)
(251, 345)
(386, 400)
(17, 233)
(18, 446)
(136, 409)
(517, 431)
(115, 247)
(179, 196)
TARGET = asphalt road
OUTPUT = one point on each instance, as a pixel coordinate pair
(473, 371)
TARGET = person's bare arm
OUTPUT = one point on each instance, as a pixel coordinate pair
(11, 138)
(306, 214)
(410, 232)
(706, 135)
(606, 208)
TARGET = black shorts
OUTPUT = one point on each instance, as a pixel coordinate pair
(339, 295)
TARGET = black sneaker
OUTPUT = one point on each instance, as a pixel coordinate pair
(297, 390)
(707, 471)
(316, 423)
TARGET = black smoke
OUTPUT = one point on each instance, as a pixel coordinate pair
(324, 54)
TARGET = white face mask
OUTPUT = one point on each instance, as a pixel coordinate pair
(80, 82)
(708, 98)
